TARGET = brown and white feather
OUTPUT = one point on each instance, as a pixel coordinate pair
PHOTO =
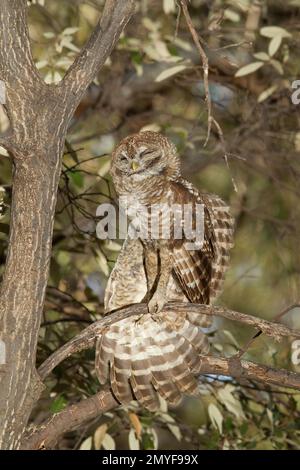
(143, 356)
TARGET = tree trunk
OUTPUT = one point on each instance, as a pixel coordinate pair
(39, 116)
(35, 182)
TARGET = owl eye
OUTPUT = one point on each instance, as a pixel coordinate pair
(123, 158)
(146, 152)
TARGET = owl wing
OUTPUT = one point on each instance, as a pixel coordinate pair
(200, 272)
(127, 283)
(193, 267)
(223, 227)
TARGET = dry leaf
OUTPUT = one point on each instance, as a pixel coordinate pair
(215, 417)
(86, 444)
(99, 436)
(108, 442)
(274, 45)
(134, 443)
(250, 68)
(136, 424)
(169, 72)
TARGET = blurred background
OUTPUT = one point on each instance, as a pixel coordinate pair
(154, 80)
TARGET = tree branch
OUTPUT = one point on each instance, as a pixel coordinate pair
(86, 339)
(16, 63)
(240, 369)
(46, 435)
(115, 16)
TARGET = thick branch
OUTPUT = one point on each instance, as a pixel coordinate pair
(86, 339)
(47, 434)
(16, 62)
(115, 16)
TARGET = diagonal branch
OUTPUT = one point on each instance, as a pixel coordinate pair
(86, 339)
(115, 16)
(16, 63)
(46, 435)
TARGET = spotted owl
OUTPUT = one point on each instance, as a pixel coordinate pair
(160, 352)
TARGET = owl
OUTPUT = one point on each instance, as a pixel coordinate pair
(159, 353)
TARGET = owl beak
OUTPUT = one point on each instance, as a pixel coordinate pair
(134, 166)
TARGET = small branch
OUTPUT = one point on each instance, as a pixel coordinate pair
(91, 58)
(205, 65)
(286, 310)
(46, 435)
(278, 317)
(211, 121)
(253, 20)
(240, 369)
(86, 339)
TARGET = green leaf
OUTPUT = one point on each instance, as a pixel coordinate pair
(77, 178)
(137, 57)
(59, 404)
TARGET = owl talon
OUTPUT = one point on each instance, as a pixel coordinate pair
(156, 304)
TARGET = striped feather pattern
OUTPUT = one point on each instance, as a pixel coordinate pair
(142, 356)
(157, 354)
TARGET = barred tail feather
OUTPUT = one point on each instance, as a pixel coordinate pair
(143, 356)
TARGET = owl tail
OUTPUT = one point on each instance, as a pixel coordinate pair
(143, 356)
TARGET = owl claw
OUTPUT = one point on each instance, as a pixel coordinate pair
(156, 304)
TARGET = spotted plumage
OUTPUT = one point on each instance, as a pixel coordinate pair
(160, 351)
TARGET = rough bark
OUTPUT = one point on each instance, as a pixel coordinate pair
(39, 116)
(47, 435)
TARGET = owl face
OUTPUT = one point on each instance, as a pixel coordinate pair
(144, 155)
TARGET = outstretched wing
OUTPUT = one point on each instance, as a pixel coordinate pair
(223, 228)
(200, 272)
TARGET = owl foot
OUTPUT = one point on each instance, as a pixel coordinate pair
(156, 303)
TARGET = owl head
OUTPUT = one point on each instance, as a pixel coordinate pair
(145, 155)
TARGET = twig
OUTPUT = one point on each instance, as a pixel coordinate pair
(211, 121)
(243, 350)
(205, 65)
